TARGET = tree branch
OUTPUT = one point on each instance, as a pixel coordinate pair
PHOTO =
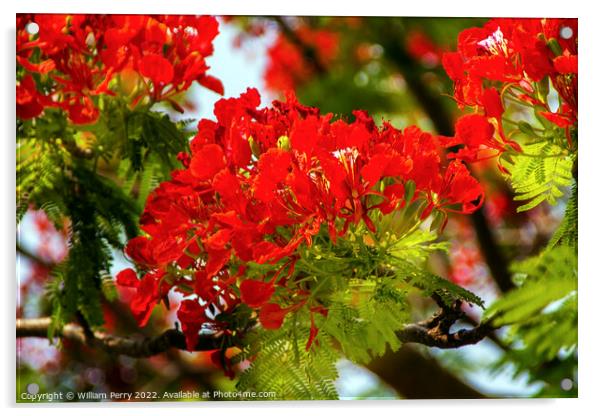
(132, 346)
(418, 376)
(434, 332)
(33, 257)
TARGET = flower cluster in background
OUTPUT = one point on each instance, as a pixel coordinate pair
(288, 65)
(74, 59)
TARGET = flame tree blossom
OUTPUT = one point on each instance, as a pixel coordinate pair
(74, 59)
(512, 60)
(261, 184)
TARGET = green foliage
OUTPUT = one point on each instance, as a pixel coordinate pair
(70, 172)
(281, 364)
(430, 284)
(364, 282)
(364, 320)
(150, 133)
(550, 277)
(98, 220)
(540, 173)
(541, 316)
(566, 233)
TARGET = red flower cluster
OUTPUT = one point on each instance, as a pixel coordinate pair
(422, 48)
(262, 182)
(466, 266)
(75, 58)
(288, 64)
(509, 57)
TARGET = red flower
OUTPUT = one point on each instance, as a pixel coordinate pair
(29, 102)
(84, 56)
(226, 208)
(512, 55)
(459, 187)
(476, 133)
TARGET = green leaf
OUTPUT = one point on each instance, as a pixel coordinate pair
(548, 278)
(539, 174)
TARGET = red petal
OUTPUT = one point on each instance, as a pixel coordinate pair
(145, 299)
(492, 102)
(271, 316)
(566, 64)
(208, 161)
(192, 316)
(474, 130)
(218, 240)
(453, 65)
(212, 83)
(157, 68)
(216, 260)
(127, 278)
(138, 250)
(373, 170)
(255, 293)
(273, 168)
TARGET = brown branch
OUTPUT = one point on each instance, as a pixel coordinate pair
(418, 334)
(132, 346)
(33, 257)
(491, 335)
(433, 333)
(418, 376)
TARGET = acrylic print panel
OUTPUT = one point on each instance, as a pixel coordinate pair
(295, 208)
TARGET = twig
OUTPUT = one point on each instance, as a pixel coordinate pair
(31, 256)
(435, 332)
